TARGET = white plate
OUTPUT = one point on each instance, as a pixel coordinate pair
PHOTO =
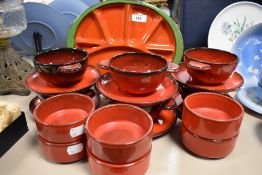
(46, 20)
(231, 22)
(69, 8)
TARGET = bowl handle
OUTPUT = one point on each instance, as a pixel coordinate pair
(172, 67)
(198, 66)
(103, 64)
(167, 113)
(70, 68)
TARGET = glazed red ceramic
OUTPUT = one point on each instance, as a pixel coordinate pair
(138, 167)
(212, 115)
(38, 84)
(206, 147)
(186, 90)
(38, 99)
(63, 66)
(234, 82)
(115, 27)
(119, 133)
(210, 66)
(34, 103)
(163, 92)
(61, 118)
(62, 152)
(137, 72)
(164, 117)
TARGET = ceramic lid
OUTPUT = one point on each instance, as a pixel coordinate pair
(117, 26)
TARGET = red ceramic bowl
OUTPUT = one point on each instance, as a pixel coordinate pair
(212, 115)
(62, 152)
(206, 147)
(119, 133)
(210, 66)
(63, 66)
(61, 118)
(137, 72)
(138, 167)
(39, 98)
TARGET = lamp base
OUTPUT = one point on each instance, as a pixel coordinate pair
(13, 70)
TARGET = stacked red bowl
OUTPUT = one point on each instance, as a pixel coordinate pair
(211, 124)
(119, 140)
(60, 124)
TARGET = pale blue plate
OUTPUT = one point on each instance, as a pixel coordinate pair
(248, 47)
(91, 2)
(69, 8)
(49, 22)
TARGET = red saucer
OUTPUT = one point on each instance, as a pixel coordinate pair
(234, 82)
(37, 84)
(164, 91)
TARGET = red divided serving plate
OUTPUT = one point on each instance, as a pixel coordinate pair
(117, 26)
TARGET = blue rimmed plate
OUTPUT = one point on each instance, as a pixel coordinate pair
(248, 47)
(248, 97)
(46, 20)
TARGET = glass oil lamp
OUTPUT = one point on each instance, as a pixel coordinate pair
(13, 69)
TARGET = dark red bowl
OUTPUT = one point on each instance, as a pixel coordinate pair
(210, 66)
(62, 66)
(212, 115)
(63, 153)
(119, 133)
(61, 118)
(138, 167)
(207, 148)
(137, 72)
